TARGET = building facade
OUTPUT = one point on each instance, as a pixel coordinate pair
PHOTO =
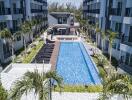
(61, 18)
(115, 15)
(12, 14)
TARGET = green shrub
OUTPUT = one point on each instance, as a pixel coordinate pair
(102, 62)
(102, 72)
(33, 53)
(114, 61)
(3, 93)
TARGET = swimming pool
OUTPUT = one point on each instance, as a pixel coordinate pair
(75, 65)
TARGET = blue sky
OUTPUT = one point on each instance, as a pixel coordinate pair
(74, 2)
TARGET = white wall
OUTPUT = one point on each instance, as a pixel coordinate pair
(129, 3)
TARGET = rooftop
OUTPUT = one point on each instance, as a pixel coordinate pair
(60, 14)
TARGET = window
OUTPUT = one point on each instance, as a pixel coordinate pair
(114, 45)
(14, 8)
(6, 50)
(127, 59)
(59, 20)
(128, 11)
(15, 27)
(119, 9)
(18, 38)
(118, 47)
(2, 8)
(130, 35)
(118, 27)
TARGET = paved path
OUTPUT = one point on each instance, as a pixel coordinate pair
(74, 96)
(81, 96)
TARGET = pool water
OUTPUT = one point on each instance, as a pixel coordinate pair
(75, 65)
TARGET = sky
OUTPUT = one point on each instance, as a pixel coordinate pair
(73, 2)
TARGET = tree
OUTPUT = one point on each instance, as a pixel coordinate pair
(3, 93)
(34, 81)
(30, 25)
(53, 7)
(103, 39)
(117, 84)
(112, 36)
(25, 28)
(6, 34)
(97, 30)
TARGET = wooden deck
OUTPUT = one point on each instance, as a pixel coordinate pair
(53, 60)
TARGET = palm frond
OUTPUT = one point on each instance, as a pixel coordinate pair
(36, 82)
(5, 33)
(21, 87)
(117, 84)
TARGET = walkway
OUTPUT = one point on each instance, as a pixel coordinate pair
(110, 69)
(53, 60)
(74, 96)
(80, 96)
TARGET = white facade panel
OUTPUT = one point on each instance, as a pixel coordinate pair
(127, 20)
(129, 3)
(126, 48)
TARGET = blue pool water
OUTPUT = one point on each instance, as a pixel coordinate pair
(75, 65)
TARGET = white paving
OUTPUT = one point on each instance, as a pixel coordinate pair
(74, 96)
(81, 96)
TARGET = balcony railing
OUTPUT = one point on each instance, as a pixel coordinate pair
(115, 11)
(128, 12)
(125, 40)
(6, 11)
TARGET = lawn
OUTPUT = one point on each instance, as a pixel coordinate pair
(72, 88)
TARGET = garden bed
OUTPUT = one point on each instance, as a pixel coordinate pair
(33, 53)
(72, 88)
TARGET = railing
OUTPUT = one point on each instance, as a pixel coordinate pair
(128, 12)
(115, 11)
(6, 11)
(126, 40)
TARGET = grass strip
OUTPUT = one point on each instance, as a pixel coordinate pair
(72, 88)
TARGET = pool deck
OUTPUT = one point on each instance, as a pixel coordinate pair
(81, 96)
(53, 60)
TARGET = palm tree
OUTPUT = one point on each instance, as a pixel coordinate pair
(34, 81)
(6, 34)
(25, 30)
(97, 30)
(117, 84)
(112, 36)
(103, 39)
(30, 25)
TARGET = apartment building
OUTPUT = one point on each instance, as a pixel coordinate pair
(117, 16)
(12, 14)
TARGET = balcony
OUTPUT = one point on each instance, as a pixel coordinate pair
(126, 40)
(6, 11)
(115, 11)
(126, 45)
